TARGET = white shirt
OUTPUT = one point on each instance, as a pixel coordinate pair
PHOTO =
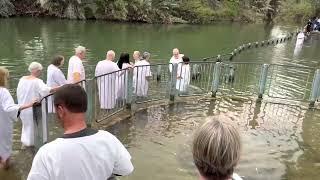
(300, 38)
(93, 157)
(27, 91)
(8, 113)
(173, 61)
(75, 66)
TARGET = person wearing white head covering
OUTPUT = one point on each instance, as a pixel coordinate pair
(30, 88)
(107, 79)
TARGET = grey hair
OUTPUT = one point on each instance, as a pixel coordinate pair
(80, 49)
(35, 66)
(146, 56)
(216, 149)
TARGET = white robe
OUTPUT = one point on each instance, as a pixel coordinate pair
(123, 81)
(183, 72)
(107, 84)
(141, 72)
(8, 113)
(55, 78)
(173, 61)
(300, 39)
(27, 91)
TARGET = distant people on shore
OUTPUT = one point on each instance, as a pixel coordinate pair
(9, 112)
(81, 153)
(76, 71)
(107, 81)
(216, 150)
(125, 65)
(183, 75)
(55, 77)
(175, 59)
(31, 88)
(142, 73)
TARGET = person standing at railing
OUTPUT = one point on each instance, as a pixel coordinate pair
(9, 112)
(30, 88)
(81, 153)
(125, 65)
(175, 59)
(136, 56)
(107, 73)
(76, 72)
(55, 77)
(142, 74)
(183, 75)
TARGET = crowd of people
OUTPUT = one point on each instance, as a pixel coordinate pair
(74, 156)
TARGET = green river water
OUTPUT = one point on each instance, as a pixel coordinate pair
(279, 141)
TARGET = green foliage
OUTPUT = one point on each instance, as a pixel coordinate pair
(6, 8)
(296, 12)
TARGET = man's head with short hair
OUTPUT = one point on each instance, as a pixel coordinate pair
(136, 55)
(176, 53)
(70, 99)
(216, 149)
(80, 51)
(4, 74)
(146, 56)
(35, 69)
(186, 59)
(111, 55)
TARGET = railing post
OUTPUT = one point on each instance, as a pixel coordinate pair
(129, 89)
(40, 123)
(315, 88)
(216, 78)
(91, 92)
(159, 73)
(263, 80)
(173, 81)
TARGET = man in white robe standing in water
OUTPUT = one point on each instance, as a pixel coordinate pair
(76, 72)
(142, 74)
(81, 153)
(107, 83)
(176, 58)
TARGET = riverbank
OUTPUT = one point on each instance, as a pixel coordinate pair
(163, 11)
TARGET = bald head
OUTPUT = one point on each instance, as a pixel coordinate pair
(111, 55)
(175, 53)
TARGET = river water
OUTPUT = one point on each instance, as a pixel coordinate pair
(279, 141)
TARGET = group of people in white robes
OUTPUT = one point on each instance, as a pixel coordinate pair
(32, 89)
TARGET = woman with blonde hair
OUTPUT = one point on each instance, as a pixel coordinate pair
(216, 150)
(30, 88)
(9, 111)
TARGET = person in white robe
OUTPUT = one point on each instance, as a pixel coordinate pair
(175, 59)
(183, 75)
(76, 72)
(55, 78)
(9, 112)
(300, 38)
(136, 58)
(125, 66)
(31, 88)
(142, 73)
(107, 73)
